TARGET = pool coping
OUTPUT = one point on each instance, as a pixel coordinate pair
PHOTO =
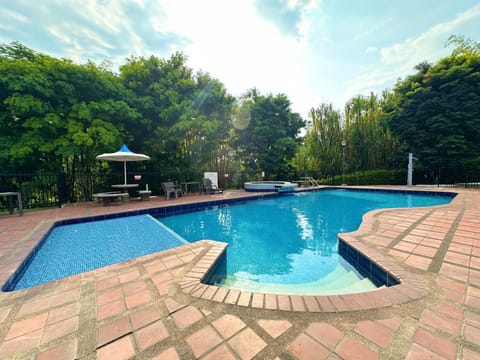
(411, 286)
(137, 309)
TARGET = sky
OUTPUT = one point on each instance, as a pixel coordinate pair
(314, 51)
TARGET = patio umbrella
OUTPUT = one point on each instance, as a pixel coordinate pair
(124, 154)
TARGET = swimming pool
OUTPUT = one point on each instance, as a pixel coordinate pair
(289, 244)
(83, 245)
(76, 248)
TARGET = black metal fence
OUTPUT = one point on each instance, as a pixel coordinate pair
(465, 177)
(38, 190)
(52, 190)
(44, 190)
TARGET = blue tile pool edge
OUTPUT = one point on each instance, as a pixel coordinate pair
(9, 285)
(450, 194)
(410, 287)
(365, 266)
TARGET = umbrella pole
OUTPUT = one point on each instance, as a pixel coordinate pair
(125, 172)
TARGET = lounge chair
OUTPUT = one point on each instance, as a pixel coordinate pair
(209, 188)
(171, 189)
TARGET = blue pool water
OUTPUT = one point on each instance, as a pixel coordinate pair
(287, 240)
(77, 248)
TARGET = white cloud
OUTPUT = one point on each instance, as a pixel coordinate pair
(288, 16)
(398, 60)
(13, 15)
(312, 53)
(237, 46)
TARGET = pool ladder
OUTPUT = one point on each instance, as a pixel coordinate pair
(311, 181)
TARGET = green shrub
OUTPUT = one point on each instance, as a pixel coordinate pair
(370, 177)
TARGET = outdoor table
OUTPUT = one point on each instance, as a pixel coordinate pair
(189, 186)
(124, 187)
(9, 196)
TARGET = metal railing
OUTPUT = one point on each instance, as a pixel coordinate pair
(43, 190)
(38, 190)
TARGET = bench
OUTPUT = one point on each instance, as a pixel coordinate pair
(9, 195)
(110, 197)
(144, 194)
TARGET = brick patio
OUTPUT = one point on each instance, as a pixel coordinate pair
(155, 307)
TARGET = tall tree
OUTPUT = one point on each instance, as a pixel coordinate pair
(323, 141)
(269, 142)
(55, 115)
(437, 113)
(369, 142)
(205, 125)
(163, 91)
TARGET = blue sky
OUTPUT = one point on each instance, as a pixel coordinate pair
(314, 51)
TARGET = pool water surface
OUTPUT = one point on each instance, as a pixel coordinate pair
(281, 243)
(76, 248)
(285, 241)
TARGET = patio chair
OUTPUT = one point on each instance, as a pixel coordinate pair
(209, 188)
(171, 189)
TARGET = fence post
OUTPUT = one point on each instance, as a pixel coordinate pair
(62, 188)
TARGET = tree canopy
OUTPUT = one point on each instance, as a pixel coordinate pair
(270, 140)
(56, 116)
(434, 113)
(437, 111)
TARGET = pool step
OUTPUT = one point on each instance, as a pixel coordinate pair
(339, 281)
(344, 281)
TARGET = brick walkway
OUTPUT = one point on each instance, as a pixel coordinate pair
(155, 307)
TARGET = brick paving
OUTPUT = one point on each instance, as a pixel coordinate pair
(155, 307)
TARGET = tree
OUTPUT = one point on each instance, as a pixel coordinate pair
(323, 141)
(186, 117)
(163, 90)
(463, 45)
(56, 115)
(205, 125)
(437, 114)
(370, 144)
(269, 142)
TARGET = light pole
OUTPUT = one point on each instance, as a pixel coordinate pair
(344, 144)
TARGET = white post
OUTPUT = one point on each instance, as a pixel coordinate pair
(410, 169)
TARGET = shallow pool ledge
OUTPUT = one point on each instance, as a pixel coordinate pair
(409, 287)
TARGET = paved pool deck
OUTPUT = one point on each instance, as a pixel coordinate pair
(155, 307)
